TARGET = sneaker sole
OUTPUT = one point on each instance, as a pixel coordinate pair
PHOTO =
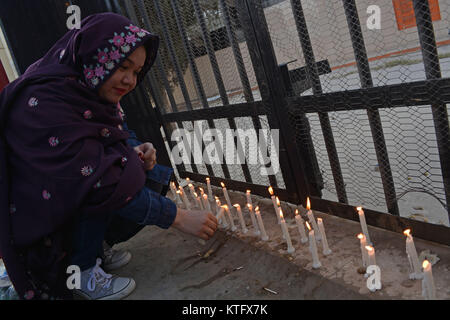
(117, 296)
(118, 264)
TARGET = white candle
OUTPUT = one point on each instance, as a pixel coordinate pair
(274, 204)
(413, 259)
(254, 222)
(371, 256)
(225, 193)
(199, 202)
(362, 220)
(326, 249)
(428, 288)
(192, 190)
(363, 243)
(175, 193)
(241, 218)
(202, 192)
(264, 236)
(208, 184)
(300, 227)
(206, 203)
(186, 202)
(312, 219)
(249, 198)
(230, 218)
(220, 214)
(313, 248)
(285, 231)
(223, 220)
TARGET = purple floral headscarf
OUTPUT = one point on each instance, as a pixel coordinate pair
(62, 151)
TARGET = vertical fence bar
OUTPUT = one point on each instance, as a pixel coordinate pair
(241, 71)
(273, 93)
(197, 82)
(376, 128)
(313, 77)
(433, 71)
(218, 77)
(118, 7)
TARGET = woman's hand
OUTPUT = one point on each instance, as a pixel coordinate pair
(201, 224)
(147, 153)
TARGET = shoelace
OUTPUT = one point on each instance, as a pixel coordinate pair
(99, 276)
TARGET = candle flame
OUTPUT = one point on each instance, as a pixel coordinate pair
(201, 190)
(225, 206)
(195, 194)
(236, 205)
(308, 226)
(278, 201)
(296, 212)
(216, 197)
(222, 184)
(205, 196)
(407, 232)
(271, 190)
(249, 206)
(248, 191)
(190, 185)
(308, 204)
(281, 214)
(187, 179)
(369, 248)
(178, 191)
(360, 236)
(257, 209)
(359, 208)
(207, 179)
(319, 220)
(218, 202)
(425, 264)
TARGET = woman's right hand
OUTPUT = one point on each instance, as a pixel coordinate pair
(202, 224)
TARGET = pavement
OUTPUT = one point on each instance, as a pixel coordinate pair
(170, 265)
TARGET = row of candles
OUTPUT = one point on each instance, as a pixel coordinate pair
(316, 230)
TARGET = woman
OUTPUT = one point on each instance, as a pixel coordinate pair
(66, 168)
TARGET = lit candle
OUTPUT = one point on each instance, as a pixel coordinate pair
(241, 218)
(208, 184)
(249, 198)
(186, 202)
(275, 206)
(202, 192)
(220, 214)
(199, 202)
(254, 222)
(230, 218)
(264, 236)
(371, 256)
(206, 203)
(411, 252)
(362, 220)
(313, 248)
(428, 288)
(225, 193)
(363, 243)
(223, 221)
(285, 231)
(326, 250)
(192, 189)
(312, 219)
(301, 228)
(175, 193)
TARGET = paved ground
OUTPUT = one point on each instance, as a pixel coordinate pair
(167, 264)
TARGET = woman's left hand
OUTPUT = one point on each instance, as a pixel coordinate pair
(147, 153)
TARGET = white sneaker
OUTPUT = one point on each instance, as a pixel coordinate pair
(96, 284)
(114, 259)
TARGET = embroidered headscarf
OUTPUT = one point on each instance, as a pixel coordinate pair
(61, 149)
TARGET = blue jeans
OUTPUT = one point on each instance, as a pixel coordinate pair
(148, 207)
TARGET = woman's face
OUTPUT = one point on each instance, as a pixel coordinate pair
(124, 78)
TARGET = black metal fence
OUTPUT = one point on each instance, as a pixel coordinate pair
(362, 113)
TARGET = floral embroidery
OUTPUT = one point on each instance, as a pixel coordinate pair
(33, 102)
(53, 141)
(12, 208)
(87, 114)
(105, 133)
(87, 171)
(46, 195)
(98, 184)
(108, 58)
